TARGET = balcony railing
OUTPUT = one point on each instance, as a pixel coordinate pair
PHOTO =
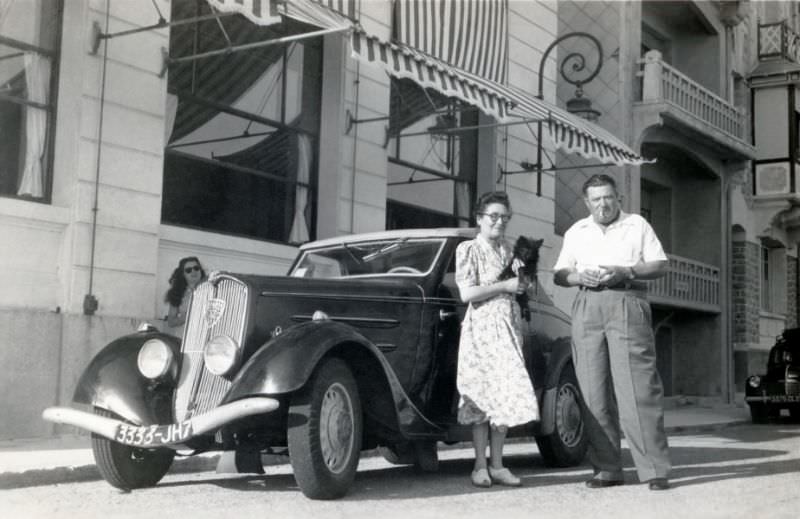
(688, 284)
(663, 83)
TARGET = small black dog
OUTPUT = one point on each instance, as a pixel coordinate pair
(527, 251)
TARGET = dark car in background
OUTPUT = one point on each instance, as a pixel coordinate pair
(779, 388)
(355, 348)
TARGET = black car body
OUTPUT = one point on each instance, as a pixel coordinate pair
(779, 387)
(356, 348)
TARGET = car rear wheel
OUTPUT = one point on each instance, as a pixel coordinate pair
(566, 445)
(127, 467)
(324, 432)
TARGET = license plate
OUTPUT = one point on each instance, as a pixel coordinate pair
(153, 435)
(783, 398)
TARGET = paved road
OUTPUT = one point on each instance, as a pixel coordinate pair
(739, 472)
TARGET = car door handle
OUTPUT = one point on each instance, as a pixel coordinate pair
(444, 314)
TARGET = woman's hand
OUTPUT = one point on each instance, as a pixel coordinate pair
(514, 285)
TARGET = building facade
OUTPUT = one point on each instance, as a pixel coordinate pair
(149, 132)
(682, 86)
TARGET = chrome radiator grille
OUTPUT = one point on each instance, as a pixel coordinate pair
(792, 381)
(199, 390)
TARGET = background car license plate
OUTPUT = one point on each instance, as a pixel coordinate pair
(784, 398)
(153, 435)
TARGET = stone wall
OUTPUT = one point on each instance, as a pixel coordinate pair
(745, 293)
(791, 291)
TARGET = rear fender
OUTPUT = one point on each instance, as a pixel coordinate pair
(284, 365)
(112, 381)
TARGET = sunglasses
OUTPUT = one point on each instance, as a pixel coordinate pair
(189, 270)
(493, 217)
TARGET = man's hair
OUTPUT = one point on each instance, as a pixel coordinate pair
(599, 180)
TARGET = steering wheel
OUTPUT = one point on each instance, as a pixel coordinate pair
(403, 268)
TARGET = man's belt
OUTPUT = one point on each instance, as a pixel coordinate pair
(625, 285)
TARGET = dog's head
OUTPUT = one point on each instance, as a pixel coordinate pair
(526, 249)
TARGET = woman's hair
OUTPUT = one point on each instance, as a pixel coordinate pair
(177, 281)
(492, 197)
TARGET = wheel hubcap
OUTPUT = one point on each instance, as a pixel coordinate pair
(568, 415)
(336, 428)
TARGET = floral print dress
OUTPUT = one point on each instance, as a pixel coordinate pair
(492, 380)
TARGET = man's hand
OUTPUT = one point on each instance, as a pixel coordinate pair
(592, 277)
(615, 274)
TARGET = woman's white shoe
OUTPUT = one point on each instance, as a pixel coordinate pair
(504, 476)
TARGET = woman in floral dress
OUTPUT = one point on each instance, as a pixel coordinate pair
(496, 391)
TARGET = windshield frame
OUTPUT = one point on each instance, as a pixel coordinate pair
(348, 247)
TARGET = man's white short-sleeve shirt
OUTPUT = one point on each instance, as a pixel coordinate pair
(626, 242)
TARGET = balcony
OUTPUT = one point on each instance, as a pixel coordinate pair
(671, 97)
(688, 285)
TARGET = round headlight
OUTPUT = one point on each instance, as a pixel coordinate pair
(754, 381)
(155, 359)
(787, 357)
(221, 355)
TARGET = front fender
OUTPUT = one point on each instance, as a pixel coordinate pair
(112, 381)
(560, 356)
(284, 364)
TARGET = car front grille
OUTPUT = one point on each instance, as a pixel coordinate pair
(219, 307)
(792, 381)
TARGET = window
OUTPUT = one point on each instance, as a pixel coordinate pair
(29, 36)
(656, 208)
(241, 157)
(432, 164)
(773, 278)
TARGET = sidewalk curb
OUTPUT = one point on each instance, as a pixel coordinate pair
(208, 462)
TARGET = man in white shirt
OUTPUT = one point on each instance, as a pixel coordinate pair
(606, 255)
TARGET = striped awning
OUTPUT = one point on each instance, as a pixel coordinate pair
(572, 133)
(327, 14)
(402, 61)
(469, 34)
(505, 103)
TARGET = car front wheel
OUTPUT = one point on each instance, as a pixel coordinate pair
(566, 445)
(759, 412)
(128, 467)
(324, 432)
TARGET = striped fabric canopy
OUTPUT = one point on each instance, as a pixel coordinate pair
(572, 133)
(404, 62)
(469, 34)
(327, 14)
(505, 103)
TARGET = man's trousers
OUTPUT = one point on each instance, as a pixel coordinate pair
(614, 353)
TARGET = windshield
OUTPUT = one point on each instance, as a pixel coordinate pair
(375, 258)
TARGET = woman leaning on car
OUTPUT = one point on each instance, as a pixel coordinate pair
(184, 279)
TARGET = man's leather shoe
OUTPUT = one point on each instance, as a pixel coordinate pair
(658, 484)
(603, 483)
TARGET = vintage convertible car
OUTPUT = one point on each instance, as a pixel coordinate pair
(779, 388)
(356, 348)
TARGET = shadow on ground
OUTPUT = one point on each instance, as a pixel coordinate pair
(692, 466)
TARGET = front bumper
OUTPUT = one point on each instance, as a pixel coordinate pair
(167, 435)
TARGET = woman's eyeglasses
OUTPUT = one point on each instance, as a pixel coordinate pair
(495, 216)
(189, 270)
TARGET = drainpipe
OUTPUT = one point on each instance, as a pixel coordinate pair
(90, 302)
(726, 299)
